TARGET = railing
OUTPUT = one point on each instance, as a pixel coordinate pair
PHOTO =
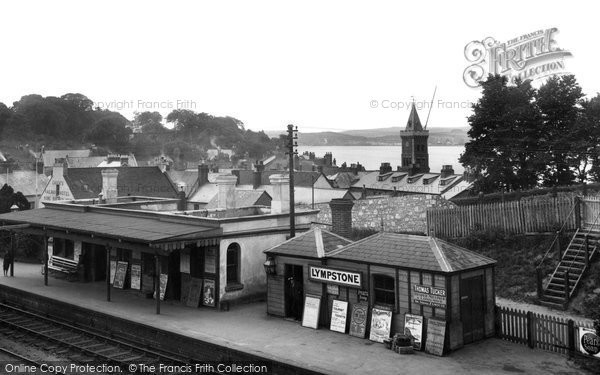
(556, 239)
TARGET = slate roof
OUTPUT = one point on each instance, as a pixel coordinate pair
(245, 198)
(50, 155)
(86, 183)
(305, 244)
(414, 252)
(24, 181)
(107, 224)
(413, 123)
(85, 161)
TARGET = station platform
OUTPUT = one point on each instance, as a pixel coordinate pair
(248, 328)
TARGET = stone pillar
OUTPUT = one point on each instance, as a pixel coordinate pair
(281, 193)
(109, 185)
(226, 194)
(341, 216)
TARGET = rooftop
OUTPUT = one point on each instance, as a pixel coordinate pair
(309, 244)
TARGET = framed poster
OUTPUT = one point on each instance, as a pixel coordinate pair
(210, 260)
(136, 276)
(208, 293)
(363, 296)
(193, 299)
(120, 273)
(413, 326)
(429, 296)
(333, 289)
(436, 333)
(589, 342)
(164, 278)
(113, 269)
(339, 314)
(381, 323)
(358, 320)
(312, 306)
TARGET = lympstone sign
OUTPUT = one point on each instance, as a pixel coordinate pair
(333, 276)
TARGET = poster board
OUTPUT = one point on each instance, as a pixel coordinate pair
(113, 269)
(413, 325)
(208, 293)
(589, 342)
(358, 320)
(363, 296)
(120, 273)
(136, 276)
(436, 334)
(310, 316)
(210, 260)
(77, 251)
(164, 278)
(193, 299)
(429, 296)
(381, 324)
(333, 289)
(339, 314)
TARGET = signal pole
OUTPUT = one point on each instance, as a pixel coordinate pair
(292, 144)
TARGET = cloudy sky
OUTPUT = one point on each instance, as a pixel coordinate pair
(321, 65)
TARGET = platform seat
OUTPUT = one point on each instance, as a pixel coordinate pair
(68, 266)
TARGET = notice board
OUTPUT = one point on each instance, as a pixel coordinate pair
(381, 324)
(136, 276)
(310, 316)
(193, 299)
(210, 260)
(413, 325)
(358, 320)
(436, 333)
(113, 270)
(339, 314)
(164, 278)
(121, 272)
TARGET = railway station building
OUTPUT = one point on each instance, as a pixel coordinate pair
(208, 257)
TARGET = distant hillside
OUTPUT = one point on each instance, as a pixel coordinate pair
(381, 136)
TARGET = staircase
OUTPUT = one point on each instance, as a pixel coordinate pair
(573, 263)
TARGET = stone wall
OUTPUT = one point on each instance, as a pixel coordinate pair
(398, 214)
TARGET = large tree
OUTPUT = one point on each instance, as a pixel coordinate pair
(111, 132)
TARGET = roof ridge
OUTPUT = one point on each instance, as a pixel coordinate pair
(289, 240)
(440, 256)
(463, 249)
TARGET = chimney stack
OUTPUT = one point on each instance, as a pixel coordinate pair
(341, 216)
(202, 174)
(60, 167)
(259, 169)
(447, 171)
(181, 203)
(385, 168)
(281, 193)
(109, 185)
(226, 194)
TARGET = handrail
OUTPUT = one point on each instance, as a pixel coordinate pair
(557, 235)
(588, 232)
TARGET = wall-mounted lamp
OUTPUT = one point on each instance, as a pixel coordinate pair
(270, 266)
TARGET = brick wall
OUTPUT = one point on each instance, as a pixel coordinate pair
(399, 214)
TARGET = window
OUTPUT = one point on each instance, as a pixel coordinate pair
(57, 190)
(233, 264)
(383, 287)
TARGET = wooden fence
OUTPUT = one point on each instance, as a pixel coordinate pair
(538, 331)
(515, 217)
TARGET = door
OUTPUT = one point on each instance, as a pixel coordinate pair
(472, 308)
(294, 291)
(174, 281)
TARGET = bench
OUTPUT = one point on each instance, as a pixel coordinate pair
(64, 265)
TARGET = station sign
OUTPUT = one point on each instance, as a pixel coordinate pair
(333, 276)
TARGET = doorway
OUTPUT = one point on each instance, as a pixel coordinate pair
(472, 308)
(294, 291)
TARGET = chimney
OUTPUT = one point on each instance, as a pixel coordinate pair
(328, 159)
(281, 193)
(181, 203)
(341, 216)
(447, 171)
(109, 185)
(163, 164)
(60, 167)
(259, 168)
(226, 194)
(385, 168)
(320, 168)
(202, 174)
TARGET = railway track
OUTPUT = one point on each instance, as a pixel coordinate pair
(79, 345)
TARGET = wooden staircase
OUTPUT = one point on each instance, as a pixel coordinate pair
(573, 263)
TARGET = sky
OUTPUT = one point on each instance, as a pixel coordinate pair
(321, 65)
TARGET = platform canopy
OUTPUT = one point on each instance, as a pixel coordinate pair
(149, 229)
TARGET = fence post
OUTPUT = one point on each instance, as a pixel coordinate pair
(577, 213)
(497, 321)
(587, 252)
(571, 329)
(558, 245)
(566, 288)
(530, 340)
(540, 290)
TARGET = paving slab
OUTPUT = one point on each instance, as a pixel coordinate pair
(249, 328)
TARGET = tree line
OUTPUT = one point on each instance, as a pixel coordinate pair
(523, 137)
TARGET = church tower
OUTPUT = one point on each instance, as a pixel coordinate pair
(414, 144)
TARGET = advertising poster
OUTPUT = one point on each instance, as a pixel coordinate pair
(208, 293)
(113, 270)
(136, 276)
(358, 320)
(164, 278)
(120, 274)
(381, 323)
(436, 333)
(193, 299)
(589, 342)
(339, 314)
(413, 326)
(210, 260)
(310, 317)
(334, 290)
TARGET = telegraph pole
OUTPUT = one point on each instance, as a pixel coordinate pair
(292, 144)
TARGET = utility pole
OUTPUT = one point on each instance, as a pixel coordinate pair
(292, 144)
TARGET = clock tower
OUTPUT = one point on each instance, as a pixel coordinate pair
(414, 144)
